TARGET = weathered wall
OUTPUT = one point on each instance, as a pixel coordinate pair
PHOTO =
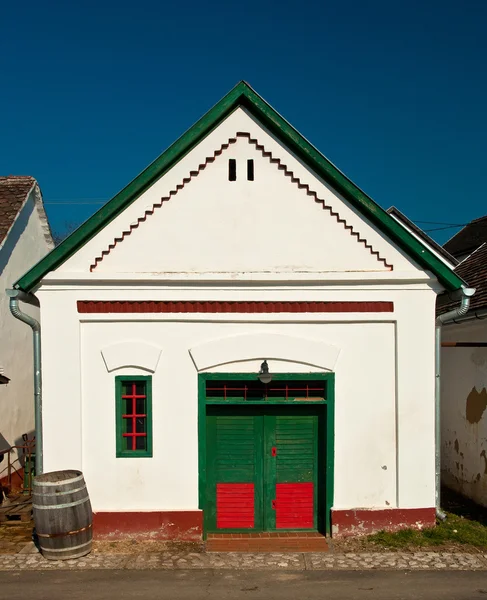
(464, 411)
(26, 243)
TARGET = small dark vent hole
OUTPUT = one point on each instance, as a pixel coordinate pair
(250, 169)
(232, 169)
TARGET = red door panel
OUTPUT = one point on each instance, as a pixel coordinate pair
(235, 505)
(294, 506)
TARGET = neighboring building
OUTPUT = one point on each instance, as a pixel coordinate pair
(464, 372)
(242, 244)
(468, 239)
(24, 239)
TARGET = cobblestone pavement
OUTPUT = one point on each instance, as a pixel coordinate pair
(14, 537)
(30, 559)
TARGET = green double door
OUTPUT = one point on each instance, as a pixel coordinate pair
(263, 468)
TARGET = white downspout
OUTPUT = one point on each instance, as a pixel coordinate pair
(449, 316)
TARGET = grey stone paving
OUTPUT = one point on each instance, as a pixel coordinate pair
(32, 560)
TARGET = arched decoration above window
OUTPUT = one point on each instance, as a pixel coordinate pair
(131, 353)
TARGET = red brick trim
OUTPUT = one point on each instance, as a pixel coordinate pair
(267, 542)
(363, 521)
(160, 306)
(273, 160)
(184, 525)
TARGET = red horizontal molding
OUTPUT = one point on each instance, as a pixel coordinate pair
(148, 306)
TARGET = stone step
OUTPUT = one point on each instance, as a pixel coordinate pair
(266, 542)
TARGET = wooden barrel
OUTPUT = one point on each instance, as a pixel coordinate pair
(62, 514)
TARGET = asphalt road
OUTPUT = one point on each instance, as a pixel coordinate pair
(235, 585)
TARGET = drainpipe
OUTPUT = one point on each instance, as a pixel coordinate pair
(17, 296)
(448, 317)
(471, 316)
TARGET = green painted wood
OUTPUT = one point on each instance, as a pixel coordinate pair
(239, 446)
(298, 458)
(329, 442)
(234, 450)
(202, 458)
(253, 376)
(209, 507)
(269, 471)
(325, 425)
(296, 445)
(243, 95)
(277, 401)
(259, 472)
(120, 424)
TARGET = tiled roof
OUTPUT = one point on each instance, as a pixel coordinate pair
(13, 192)
(469, 238)
(474, 271)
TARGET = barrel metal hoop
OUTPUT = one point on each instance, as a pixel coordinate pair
(55, 535)
(63, 482)
(63, 493)
(66, 505)
(55, 550)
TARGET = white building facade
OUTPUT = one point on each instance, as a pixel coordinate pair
(242, 244)
(25, 238)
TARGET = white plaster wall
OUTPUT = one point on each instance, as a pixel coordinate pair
(464, 411)
(248, 226)
(213, 225)
(384, 434)
(268, 240)
(24, 245)
(170, 479)
(415, 365)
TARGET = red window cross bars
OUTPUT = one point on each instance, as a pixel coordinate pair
(135, 416)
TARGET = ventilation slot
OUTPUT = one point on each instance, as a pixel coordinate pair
(232, 169)
(250, 170)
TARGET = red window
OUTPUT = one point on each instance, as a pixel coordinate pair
(134, 419)
(134, 396)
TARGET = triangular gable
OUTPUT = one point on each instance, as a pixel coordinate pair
(243, 95)
(309, 229)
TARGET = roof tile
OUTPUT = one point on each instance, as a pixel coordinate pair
(13, 192)
(469, 238)
(474, 271)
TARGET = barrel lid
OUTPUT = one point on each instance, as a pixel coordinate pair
(58, 477)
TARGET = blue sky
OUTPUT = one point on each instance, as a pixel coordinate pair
(393, 92)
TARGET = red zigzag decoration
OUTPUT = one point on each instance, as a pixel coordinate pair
(266, 154)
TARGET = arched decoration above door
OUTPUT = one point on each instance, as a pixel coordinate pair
(314, 353)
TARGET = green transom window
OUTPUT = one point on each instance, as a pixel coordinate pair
(277, 390)
(133, 401)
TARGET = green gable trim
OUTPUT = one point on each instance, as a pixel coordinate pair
(243, 95)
